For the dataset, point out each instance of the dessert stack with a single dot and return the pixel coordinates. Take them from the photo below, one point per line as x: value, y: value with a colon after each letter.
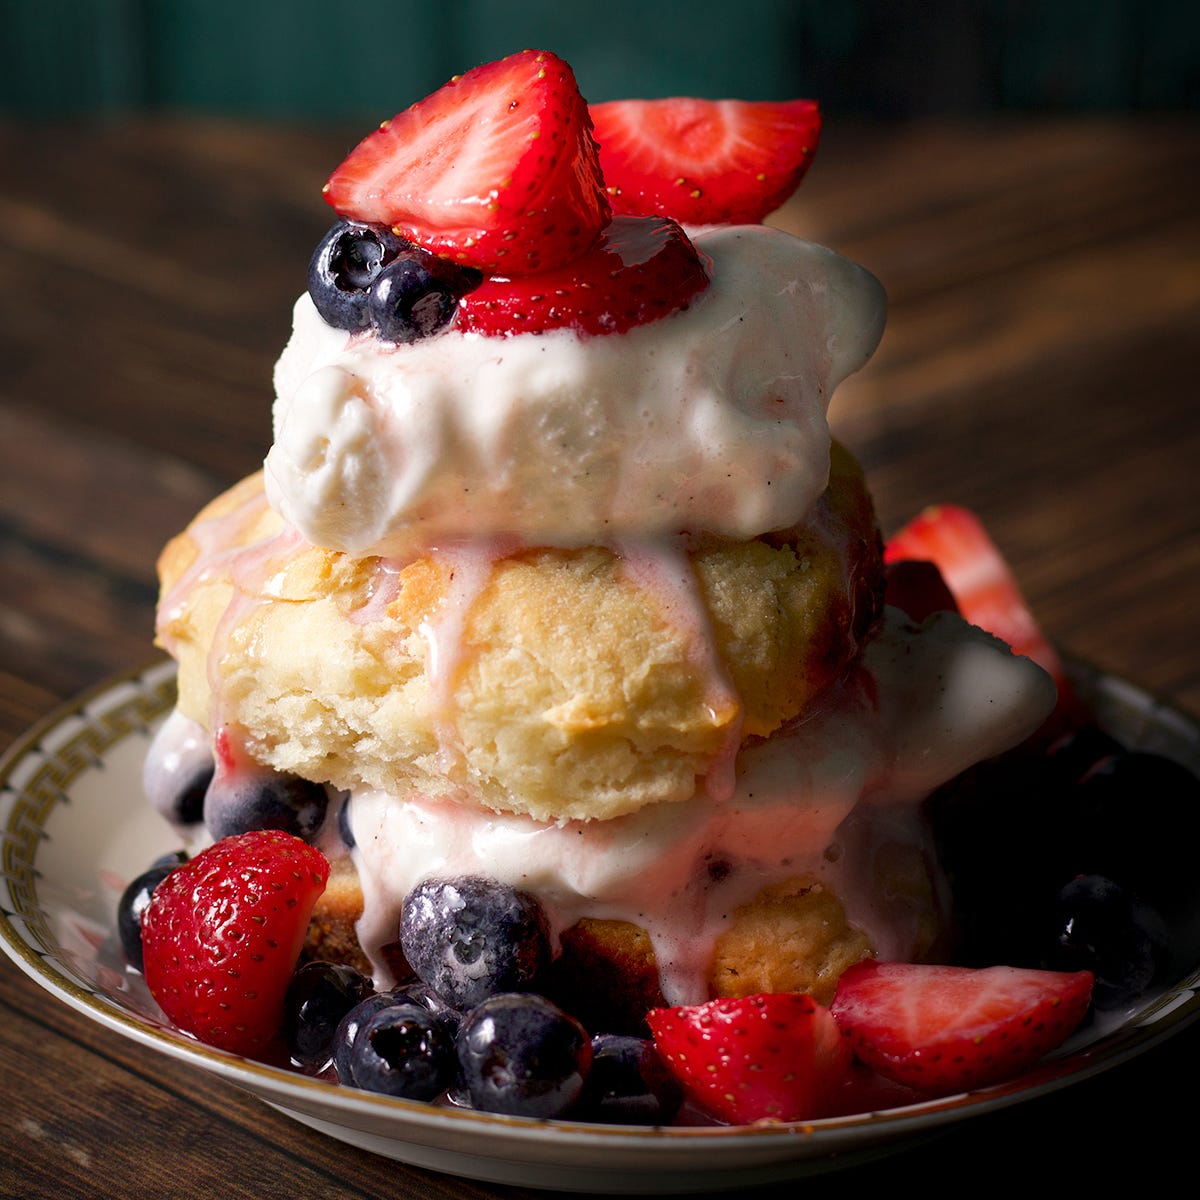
x: 556, y: 610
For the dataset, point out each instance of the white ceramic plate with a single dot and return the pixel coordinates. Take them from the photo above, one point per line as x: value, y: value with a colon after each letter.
x: 75, y: 829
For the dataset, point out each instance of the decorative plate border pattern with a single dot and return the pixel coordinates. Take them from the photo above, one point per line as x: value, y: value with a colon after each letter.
x: 49, y: 759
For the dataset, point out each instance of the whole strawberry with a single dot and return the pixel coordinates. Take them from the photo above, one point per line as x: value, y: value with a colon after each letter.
x: 222, y: 934
x: 773, y: 1056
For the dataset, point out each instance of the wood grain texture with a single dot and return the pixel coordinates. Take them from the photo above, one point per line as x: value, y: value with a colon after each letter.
x: 1040, y: 365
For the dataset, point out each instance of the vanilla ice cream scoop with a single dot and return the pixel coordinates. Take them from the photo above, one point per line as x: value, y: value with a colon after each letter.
x: 709, y: 420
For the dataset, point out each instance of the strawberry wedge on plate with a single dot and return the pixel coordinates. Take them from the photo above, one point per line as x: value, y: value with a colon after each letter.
x: 775, y: 1056
x: 943, y: 1029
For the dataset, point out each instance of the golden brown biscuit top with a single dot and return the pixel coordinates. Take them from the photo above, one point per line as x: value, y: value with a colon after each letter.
x: 558, y: 683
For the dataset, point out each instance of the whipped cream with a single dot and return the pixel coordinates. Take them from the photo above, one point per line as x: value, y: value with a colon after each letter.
x: 710, y: 419
x: 831, y: 798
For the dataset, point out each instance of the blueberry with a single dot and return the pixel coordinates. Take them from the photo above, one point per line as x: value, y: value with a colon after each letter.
x: 178, y: 770
x: 343, y: 267
x: 185, y: 803
x: 132, y: 905
x: 522, y: 1055
x: 348, y: 1030
x: 236, y: 803
x: 412, y: 299
x: 628, y: 1084
x: 405, y: 1049
x: 319, y: 996
x: 172, y: 859
x: 1138, y: 817
x: 468, y: 938
x: 1099, y: 926
x: 350, y: 1026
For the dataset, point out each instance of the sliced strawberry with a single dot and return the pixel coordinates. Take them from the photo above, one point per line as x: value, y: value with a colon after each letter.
x: 222, y: 933
x: 773, y: 1056
x: 642, y: 268
x: 981, y: 582
x: 949, y: 1029
x: 496, y: 170
x: 704, y: 162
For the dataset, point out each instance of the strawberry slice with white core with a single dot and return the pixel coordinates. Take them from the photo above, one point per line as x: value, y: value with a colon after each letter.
x: 704, y: 162
x: 979, y: 578
x: 497, y: 170
x: 642, y: 268
x: 944, y: 1029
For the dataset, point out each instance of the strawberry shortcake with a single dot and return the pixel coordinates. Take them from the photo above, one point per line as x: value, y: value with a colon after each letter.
x: 555, y: 580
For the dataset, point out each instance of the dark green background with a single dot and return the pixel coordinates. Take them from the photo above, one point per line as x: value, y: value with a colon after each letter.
x: 320, y: 60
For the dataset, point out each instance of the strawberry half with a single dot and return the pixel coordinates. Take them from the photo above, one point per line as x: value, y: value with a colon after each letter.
x: 704, y: 162
x: 642, y: 268
x: 945, y: 1029
x: 772, y: 1056
x: 980, y: 580
x: 222, y: 933
x: 496, y: 170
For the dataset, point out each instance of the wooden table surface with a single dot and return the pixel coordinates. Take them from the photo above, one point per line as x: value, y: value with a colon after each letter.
x: 1040, y: 366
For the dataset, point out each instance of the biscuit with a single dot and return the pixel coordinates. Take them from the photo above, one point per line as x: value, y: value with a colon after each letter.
x: 332, y: 935
x: 559, y: 683
x: 793, y: 937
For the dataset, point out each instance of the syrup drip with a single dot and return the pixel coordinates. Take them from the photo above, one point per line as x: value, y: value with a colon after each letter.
x: 663, y: 569
x: 212, y: 538
x: 467, y: 567
x: 382, y: 589
x: 255, y: 569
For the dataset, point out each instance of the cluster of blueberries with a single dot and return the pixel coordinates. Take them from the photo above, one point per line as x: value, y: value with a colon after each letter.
x: 470, y: 1029
x: 1080, y: 858
x: 366, y: 277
